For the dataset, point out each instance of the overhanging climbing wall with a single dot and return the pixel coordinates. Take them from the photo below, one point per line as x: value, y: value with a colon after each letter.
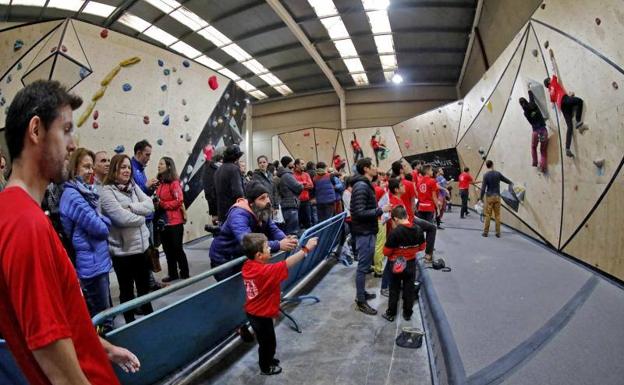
x: 364, y: 136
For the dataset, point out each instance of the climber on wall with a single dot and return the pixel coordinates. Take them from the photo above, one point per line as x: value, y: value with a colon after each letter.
x: 540, y: 133
x: 568, y: 104
x: 378, y: 147
x: 357, y: 149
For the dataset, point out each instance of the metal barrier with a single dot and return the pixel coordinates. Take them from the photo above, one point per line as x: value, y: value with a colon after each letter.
x: 179, y: 333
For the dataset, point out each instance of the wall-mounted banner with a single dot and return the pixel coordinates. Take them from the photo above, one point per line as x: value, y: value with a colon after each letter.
x: 446, y: 159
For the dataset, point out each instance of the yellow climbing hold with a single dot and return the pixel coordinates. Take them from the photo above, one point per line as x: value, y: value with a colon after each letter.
x: 489, y: 106
x: 130, y: 61
x: 110, y: 76
x: 99, y: 94
x: 86, y: 113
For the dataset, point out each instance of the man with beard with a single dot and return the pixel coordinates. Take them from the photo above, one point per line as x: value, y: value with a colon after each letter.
x: 251, y: 214
x: 44, y: 316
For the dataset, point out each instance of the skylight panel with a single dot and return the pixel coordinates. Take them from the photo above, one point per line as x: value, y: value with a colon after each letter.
x: 388, y: 75
x: 32, y: 3
x: 98, y: 9
x: 254, y: 66
x: 283, y: 89
x: 271, y: 79
x: 226, y: 72
x: 213, y: 35
x: 335, y: 27
x: 384, y: 44
x: 258, y: 94
x: 208, y: 62
x: 323, y: 8
x: 236, y: 52
x: 69, y: 5
x: 372, y: 5
x: 388, y: 62
x: 245, y: 85
x: 134, y: 22
x: 164, y: 5
x: 354, y: 65
x: 379, y: 22
x: 189, y: 18
x: 346, y: 48
x: 185, y: 49
x: 360, y: 79
x: 160, y: 35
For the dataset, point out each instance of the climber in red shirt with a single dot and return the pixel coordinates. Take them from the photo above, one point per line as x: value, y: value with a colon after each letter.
x: 357, y: 149
x: 378, y: 148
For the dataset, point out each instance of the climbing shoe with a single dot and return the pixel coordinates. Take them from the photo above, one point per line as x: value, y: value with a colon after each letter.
x: 365, y: 308
x: 569, y: 154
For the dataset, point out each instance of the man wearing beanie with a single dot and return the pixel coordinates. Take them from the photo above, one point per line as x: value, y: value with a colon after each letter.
x: 289, y: 189
x: 251, y: 214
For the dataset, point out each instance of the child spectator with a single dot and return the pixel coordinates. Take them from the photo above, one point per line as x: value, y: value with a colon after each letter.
x: 404, y: 241
x: 262, y: 285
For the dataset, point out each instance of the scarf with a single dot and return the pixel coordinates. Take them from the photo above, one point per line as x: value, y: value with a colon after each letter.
x: 85, y: 190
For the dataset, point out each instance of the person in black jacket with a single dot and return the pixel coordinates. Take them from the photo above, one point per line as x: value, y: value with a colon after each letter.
x: 263, y: 176
x: 540, y: 134
x: 364, y: 214
x: 210, y: 189
x: 289, y: 189
x: 228, y: 181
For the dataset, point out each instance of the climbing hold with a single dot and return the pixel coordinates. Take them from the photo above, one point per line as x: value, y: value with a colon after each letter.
x: 431, y: 123
x: 53, y: 49
x: 84, y: 72
x: 174, y: 69
x: 85, y: 114
x: 161, y: 112
x: 163, y: 87
x: 482, y: 99
x: 98, y: 94
x: 546, y: 44
x: 9, y: 79
x: 444, y: 126
x: 161, y: 63
x: 63, y: 48
x: 2, y: 101
x: 95, y: 125
x: 407, y: 143
x: 189, y: 169
x: 615, y: 85
x: 126, y: 87
x: 179, y: 81
x: 188, y: 137
x: 107, y: 79
x: 226, y: 96
x: 104, y: 33
x: 181, y: 136
x: 598, y: 21
x: 186, y: 118
x: 184, y: 102
x: 160, y: 142
x: 575, y: 187
x: 534, y: 52
x: 186, y: 63
x: 130, y: 61
x: 213, y: 83
x: 213, y: 123
x: 19, y: 66
x: 166, y: 71
x: 165, y: 121
x: 146, y: 119
x: 418, y: 130
x: 220, y: 120
x: 481, y: 150
x: 599, y: 162
x: 186, y: 188
x: 489, y: 106
x: 18, y: 44
x: 119, y: 149
x: 543, y: 5
x: 234, y: 111
x: 96, y: 114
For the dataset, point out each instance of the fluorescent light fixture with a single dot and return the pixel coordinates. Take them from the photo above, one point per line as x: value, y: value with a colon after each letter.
x: 360, y: 79
x: 208, y: 62
x: 69, y: 5
x: 379, y: 21
x: 258, y: 94
x: 397, y: 79
x: 375, y: 4
x: 236, y: 52
x: 283, y: 89
x: 98, y: 9
x: 32, y: 3
x: 346, y: 48
x: 214, y: 36
x: 189, y: 18
x: 159, y: 35
x: 226, y: 72
x: 335, y: 28
x: 388, y: 62
x: 164, y: 5
x: 254, y: 66
x: 185, y: 49
x: 388, y: 75
x: 134, y: 22
x: 323, y: 8
x: 271, y: 79
x: 354, y: 65
x: 245, y: 85
x: 384, y: 44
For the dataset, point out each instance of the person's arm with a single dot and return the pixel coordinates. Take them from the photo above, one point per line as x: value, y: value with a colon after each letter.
x: 240, y: 226
x: 531, y: 97
x: 299, y: 255
x: 292, y: 184
x: 484, y: 185
x: 145, y: 205
x: 307, y: 181
x: 504, y: 179
x: 119, y: 216
x: 358, y: 211
x: 76, y: 208
x: 275, y: 236
x: 59, y: 363
x: 176, y: 194
x: 126, y: 360
x: 236, y: 185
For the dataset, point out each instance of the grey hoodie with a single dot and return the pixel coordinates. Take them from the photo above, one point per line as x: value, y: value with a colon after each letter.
x: 289, y: 189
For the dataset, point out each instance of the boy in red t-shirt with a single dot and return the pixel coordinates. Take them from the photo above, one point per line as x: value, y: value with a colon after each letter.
x: 465, y: 179
x: 427, y: 195
x: 262, y: 286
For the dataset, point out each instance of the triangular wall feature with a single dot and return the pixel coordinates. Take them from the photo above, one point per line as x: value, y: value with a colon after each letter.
x: 301, y: 144
x: 283, y: 150
x: 325, y: 145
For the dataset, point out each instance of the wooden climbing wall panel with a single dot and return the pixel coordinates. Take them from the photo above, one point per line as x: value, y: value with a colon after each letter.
x: 364, y: 138
x: 325, y: 144
x: 301, y: 144
x: 283, y: 150
x: 275, y: 154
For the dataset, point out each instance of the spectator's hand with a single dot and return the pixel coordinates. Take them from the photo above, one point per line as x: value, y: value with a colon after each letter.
x: 311, y: 244
x: 288, y: 244
x: 152, y: 183
x: 126, y: 360
x: 386, y: 208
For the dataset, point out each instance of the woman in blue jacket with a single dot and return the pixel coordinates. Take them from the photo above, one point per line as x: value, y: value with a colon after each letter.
x: 88, y: 231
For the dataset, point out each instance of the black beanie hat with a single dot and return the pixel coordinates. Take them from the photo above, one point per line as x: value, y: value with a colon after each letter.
x: 286, y: 160
x: 254, y: 191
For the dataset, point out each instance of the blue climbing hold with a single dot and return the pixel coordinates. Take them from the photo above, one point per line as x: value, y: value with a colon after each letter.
x: 127, y: 87
x: 9, y: 79
x: 19, y: 66
x: 165, y: 121
x: 186, y: 63
x: 84, y: 72
x: 160, y: 142
x: 119, y: 149
x: 2, y: 101
x: 166, y: 71
x: 161, y: 112
x: 18, y: 45
x: 161, y: 63
x: 163, y: 87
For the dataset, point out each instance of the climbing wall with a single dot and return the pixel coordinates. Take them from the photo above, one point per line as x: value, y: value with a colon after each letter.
x: 364, y: 136
x: 325, y: 144
x: 132, y: 91
x: 275, y: 155
x: 283, y: 150
x: 431, y: 131
x: 301, y: 144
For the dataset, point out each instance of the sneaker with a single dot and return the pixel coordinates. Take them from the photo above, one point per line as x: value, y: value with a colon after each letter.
x: 388, y: 317
x: 484, y: 235
x: 365, y: 308
x: 169, y: 279
x: 407, y: 316
x: 370, y: 296
x: 276, y: 361
x: 385, y: 292
x: 569, y: 154
x: 377, y: 275
x: 497, y: 235
x: 440, y: 227
x: 273, y: 369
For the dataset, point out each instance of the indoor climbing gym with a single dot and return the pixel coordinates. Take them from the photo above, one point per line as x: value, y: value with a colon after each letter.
x: 311, y: 192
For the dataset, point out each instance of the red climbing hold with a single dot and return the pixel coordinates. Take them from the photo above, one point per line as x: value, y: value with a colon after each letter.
x: 96, y: 114
x: 146, y: 119
x: 63, y: 48
x: 96, y: 125
x: 212, y: 82
x: 104, y: 33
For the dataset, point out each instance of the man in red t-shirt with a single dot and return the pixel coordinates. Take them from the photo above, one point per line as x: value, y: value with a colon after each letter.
x: 263, y: 287
x: 305, y: 206
x: 427, y: 195
x: 409, y: 195
x: 44, y: 317
x: 465, y: 179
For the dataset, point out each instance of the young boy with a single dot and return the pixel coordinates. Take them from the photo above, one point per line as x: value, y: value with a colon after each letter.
x: 403, y: 242
x: 262, y: 285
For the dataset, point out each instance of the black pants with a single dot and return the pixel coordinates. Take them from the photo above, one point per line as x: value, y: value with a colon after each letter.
x: 171, y: 238
x: 265, y: 334
x: 305, y: 215
x: 325, y: 211
x: 464, y: 198
x: 570, y: 105
x: 424, y: 219
x: 402, y: 281
x: 132, y: 270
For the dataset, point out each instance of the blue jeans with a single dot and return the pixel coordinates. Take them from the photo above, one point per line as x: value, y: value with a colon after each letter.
x: 97, y: 296
x: 291, y: 220
x: 365, y: 245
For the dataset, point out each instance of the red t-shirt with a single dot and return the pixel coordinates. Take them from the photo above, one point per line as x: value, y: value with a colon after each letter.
x: 408, y: 198
x: 356, y: 145
x: 464, y: 181
x: 262, y: 285
x: 374, y: 143
x: 395, y: 201
x: 379, y: 192
x: 304, y: 178
x: 556, y: 90
x: 427, y: 187
x: 42, y: 302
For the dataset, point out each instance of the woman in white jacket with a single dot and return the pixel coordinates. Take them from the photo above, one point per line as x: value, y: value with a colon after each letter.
x: 126, y: 205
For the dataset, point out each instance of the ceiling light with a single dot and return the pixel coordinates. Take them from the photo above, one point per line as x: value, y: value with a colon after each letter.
x: 98, y: 9
x: 226, y: 72
x: 214, y: 36
x: 254, y: 66
x: 208, y: 62
x: 188, y: 18
x: 397, y: 79
x: 236, y: 52
x: 375, y: 4
x: 245, y: 85
x: 271, y: 79
x: 134, y: 22
x: 323, y: 8
x: 34, y: 3
x: 388, y: 75
x: 384, y: 44
x: 258, y: 94
x: 283, y: 89
x: 70, y: 5
x: 388, y: 62
x: 160, y: 36
x: 185, y: 49
x: 379, y: 22
x: 346, y: 48
x: 335, y: 28
x: 164, y: 5
x: 360, y: 79
x: 354, y: 65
